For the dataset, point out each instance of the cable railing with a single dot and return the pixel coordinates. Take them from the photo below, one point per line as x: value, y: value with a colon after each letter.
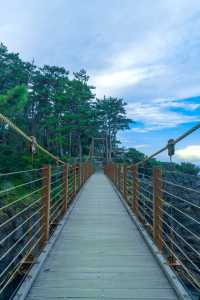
x: 170, y: 213
x: 32, y: 203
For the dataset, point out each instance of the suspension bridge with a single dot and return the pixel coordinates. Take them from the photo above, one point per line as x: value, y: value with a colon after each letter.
x: 123, y: 232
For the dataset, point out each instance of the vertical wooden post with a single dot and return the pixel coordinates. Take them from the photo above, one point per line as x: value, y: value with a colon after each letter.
x: 89, y: 167
x: 79, y: 176
x: 115, y: 174
x: 85, y: 175
x: 157, y: 204
x: 135, y: 189
x: 125, y: 182
x: 73, y: 181
x: 118, y: 177
x: 82, y: 174
x: 86, y: 171
x: 65, y: 193
x: 46, y: 172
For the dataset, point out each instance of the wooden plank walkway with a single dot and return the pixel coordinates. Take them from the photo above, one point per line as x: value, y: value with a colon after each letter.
x: 100, y: 254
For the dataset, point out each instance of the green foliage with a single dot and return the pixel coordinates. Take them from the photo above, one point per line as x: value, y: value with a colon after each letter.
x: 133, y: 156
x: 14, y: 100
x: 189, y: 168
x: 110, y: 115
x: 60, y: 111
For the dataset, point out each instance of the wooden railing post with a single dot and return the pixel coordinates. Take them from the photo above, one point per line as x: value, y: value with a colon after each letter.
x: 65, y: 184
x: 135, y: 189
x: 82, y: 168
x: 120, y: 179
x: 90, y: 169
x: 86, y: 171
x: 46, y: 172
x: 157, y: 205
x: 111, y: 172
x: 73, y: 181
x: 115, y: 174
x: 125, y: 181
x: 118, y: 176
x: 81, y: 173
x: 88, y: 165
x: 79, y: 176
x: 110, y: 168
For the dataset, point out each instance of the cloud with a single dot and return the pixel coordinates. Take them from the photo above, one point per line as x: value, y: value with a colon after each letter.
x: 110, y: 80
x: 118, y: 79
x: 157, y: 115
x: 141, y: 146
x: 191, y: 153
x: 149, y: 59
x: 178, y: 103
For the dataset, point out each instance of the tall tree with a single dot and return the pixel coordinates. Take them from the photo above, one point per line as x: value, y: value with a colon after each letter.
x: 111, y: 117
x: 59, y: 110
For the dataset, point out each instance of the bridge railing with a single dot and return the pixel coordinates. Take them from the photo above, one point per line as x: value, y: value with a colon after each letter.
x: 32, y: 204
x: 169, y: 211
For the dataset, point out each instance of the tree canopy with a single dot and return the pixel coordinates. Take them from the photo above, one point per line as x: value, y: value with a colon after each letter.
x: 61, y: 111
x: 56, y: 107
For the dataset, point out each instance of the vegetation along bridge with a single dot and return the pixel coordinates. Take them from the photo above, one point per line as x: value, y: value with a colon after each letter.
x: 123, y: 232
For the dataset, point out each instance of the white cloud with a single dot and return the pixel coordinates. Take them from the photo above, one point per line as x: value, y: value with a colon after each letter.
x: 109, y: 80
x: 150, y: 53
x: 191, y: 153
x: 178, y: 103
x: 155, y: 116
x: 141, y: 146
x: 188, y: 90
x: 117, y: 79
x: 153, y: 54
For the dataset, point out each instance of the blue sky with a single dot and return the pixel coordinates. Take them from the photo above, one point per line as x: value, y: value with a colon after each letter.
x: 146, y: 52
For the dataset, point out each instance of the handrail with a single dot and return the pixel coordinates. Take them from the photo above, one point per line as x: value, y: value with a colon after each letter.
x: 28, y: 138
x: 168, y: 218
x: 37, y: 210
x: 178, y: 139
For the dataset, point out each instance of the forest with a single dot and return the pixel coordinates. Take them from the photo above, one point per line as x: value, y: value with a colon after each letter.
x: 59, y: 109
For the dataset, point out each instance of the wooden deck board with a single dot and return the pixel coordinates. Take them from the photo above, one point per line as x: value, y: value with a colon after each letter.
x: 100, y: 254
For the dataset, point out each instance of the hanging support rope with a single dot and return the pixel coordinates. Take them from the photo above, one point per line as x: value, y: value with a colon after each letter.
x: 180, y: 138
x: 30, y: 139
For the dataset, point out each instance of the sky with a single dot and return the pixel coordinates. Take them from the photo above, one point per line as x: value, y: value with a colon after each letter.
x: 146, y: 52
